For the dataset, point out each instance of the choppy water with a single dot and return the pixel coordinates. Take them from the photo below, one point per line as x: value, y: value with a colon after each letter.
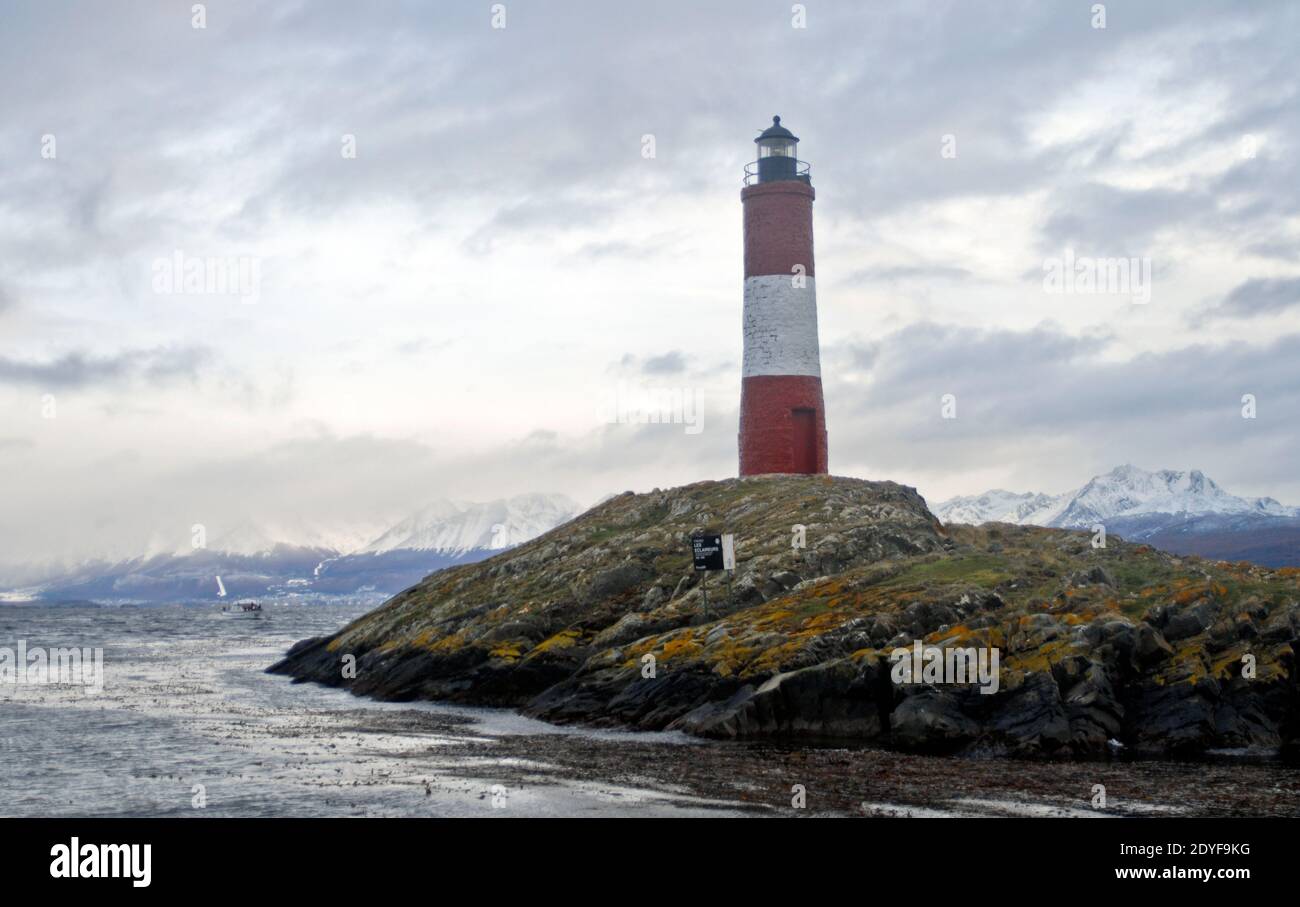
x: 186, y: 702
x: 187, y: 708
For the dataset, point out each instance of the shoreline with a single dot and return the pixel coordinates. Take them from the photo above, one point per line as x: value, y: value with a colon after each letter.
x: 1121, y: 756
x: 868, y: 780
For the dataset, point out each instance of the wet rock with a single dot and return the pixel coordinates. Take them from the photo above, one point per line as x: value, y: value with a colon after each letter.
x: 1176, y: 719
x: 1095, y: 714
x: 1242, y: 722
x: 931, y: 719
x: 835, y: 699
x: 574, y: 699
x: 653, y: 703
x: 1031, y: 719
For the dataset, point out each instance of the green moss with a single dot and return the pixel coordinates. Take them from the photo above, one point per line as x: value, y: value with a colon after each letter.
x: 976, y: 569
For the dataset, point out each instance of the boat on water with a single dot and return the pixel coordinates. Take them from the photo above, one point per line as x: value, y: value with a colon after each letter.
x: 245, y: 607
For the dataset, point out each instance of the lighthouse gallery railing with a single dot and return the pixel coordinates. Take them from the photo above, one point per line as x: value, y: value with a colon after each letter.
x: 770, y: 170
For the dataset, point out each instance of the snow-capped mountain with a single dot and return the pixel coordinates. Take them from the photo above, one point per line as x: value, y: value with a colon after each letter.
x: 260, y: 536
x: 295, y: 556
x: 1125, y: 491
x: 440, y: 535
x: 1186, y: 512
x: 996, y: 506
x: 452, y: 527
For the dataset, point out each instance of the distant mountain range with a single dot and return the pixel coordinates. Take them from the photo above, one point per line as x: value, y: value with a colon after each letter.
x: 1180, y: 512
x: 442, y: 534
x: 260, y: 560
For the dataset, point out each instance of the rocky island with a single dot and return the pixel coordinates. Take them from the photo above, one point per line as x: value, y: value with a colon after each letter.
x: 602, y: 621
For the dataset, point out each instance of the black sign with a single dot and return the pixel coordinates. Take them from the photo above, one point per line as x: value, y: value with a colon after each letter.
x: 707, y: 550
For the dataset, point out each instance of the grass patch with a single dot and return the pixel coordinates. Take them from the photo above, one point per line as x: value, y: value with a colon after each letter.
x: 985, y: 570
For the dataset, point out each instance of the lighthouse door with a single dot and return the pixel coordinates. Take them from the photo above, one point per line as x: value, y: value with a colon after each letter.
x: 804, y: 454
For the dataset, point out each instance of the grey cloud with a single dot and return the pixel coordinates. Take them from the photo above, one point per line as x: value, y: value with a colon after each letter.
x: 902, y: 273
x: 80, y: 369
x: 625, y: 455
x: 447, y: 110
x: 148, y: 496
x: 1259, y: 296
x: 1022, y: 395
x: 611, y: 250
x: 1104, y: 221
x: 536, y: 130
x: 855, y: 355
x: 540, y: 438
x: 670, y: 363
x: 990, y: 95
x: 545, y: 215
x: 1280, y: 250
x: 643, y: 248
x: 1023, y: 398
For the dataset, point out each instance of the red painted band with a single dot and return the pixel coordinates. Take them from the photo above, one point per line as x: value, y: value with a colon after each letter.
x: 782, y: 425
x: 778, y: 228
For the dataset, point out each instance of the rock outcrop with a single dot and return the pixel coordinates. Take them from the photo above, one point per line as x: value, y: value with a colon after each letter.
x: 603, y: 621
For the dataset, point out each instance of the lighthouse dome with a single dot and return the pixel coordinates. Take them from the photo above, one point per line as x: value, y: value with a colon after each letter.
x: 776, y: 131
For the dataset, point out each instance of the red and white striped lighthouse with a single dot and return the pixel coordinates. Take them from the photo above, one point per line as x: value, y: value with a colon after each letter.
x: 782, y: 416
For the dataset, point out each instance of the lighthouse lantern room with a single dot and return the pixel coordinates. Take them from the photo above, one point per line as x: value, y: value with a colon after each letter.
x: 777, y: 154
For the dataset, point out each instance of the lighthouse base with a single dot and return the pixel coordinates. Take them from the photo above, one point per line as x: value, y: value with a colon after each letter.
x: 782, y: 425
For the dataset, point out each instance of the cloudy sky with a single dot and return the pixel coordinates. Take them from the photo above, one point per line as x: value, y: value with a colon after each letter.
x: 454, y: 246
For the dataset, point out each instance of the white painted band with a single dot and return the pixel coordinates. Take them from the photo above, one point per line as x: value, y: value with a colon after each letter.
x: 781, y: 326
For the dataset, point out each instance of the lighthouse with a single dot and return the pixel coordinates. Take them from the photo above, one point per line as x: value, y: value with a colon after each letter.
x: 782, y: 416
